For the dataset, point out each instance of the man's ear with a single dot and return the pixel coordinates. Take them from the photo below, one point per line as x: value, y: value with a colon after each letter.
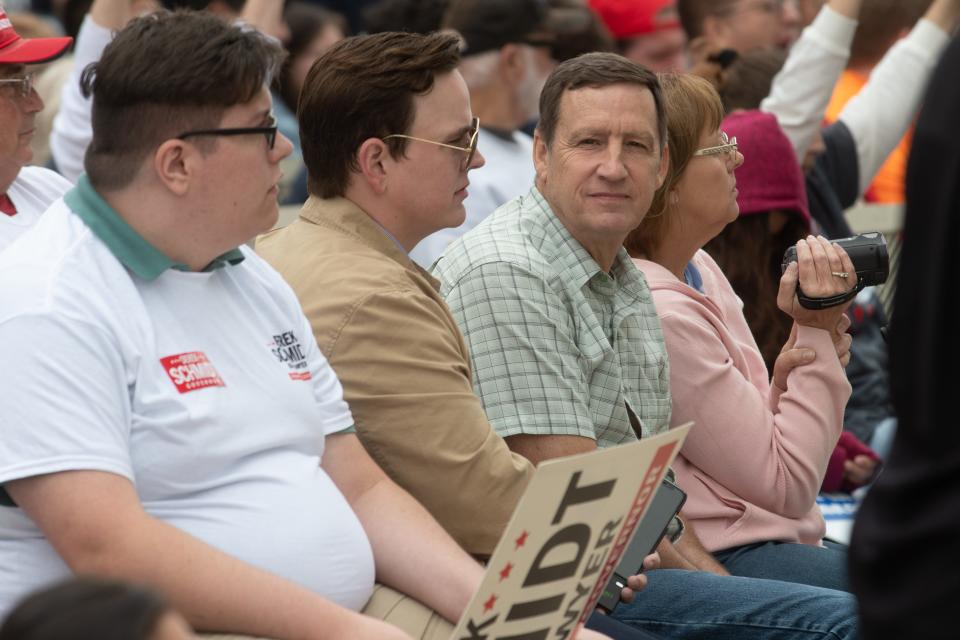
x: 175, y: 164
x: 512, y: 64
x: 540, y: 158
x: 373, y: 160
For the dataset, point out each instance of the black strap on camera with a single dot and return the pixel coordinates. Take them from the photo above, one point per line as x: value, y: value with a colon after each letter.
x: 831, y: 301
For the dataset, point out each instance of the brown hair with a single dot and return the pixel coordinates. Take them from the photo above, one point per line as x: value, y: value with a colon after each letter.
x: 750, y: 256
x: 164, y: 74
x: 598, y: 69
x: 306, y: 22
x: 880, y: 24
x: 693, y: 107
x: 694, y: 12
x: 360, y: 88
x: 747, y: 81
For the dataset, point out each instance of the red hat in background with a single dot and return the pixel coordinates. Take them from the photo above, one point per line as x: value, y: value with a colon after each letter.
x: 17, y: 50
x: 770, y: 176
x: 628, y: 18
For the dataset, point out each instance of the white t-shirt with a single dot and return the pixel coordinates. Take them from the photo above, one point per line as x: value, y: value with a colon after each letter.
x: 206, y: 390
x: 32, y: 192
x: 508, y: 173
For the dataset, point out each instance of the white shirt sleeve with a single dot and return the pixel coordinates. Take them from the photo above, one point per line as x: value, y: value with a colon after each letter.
x: 66, y: 398
x: 881, y: 113
x: 801, y: 90
x: 72, y: 130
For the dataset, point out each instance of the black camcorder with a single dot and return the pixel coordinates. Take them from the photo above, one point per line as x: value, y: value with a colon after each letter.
x: 868, y: 253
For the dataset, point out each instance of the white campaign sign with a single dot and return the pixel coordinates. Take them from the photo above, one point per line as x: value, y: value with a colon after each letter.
x: 565, y: 539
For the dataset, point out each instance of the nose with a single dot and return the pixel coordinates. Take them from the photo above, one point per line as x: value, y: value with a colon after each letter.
x: 737, y: 159
x: 32, y: 103
x: 477, y: 160
x: 612, y: 166
x: 282, y: 147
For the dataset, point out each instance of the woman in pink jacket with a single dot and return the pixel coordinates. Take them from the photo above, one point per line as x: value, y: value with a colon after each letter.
x: 754, y: 461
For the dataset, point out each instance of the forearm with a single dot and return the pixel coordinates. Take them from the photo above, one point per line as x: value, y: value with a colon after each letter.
x: 213, y: 590
x: 413, y: 554
x: 802, y: 89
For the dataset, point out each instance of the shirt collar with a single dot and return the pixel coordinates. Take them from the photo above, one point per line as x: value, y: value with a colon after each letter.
x: 128, y: 246
x: 345, y: 216
x: 560, y: 246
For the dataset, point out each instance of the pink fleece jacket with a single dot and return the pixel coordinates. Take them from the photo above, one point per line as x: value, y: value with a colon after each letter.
x: 753, y: 463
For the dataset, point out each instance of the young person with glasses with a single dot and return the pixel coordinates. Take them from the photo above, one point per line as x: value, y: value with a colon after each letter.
x: 175, y: 424
x: 754, y: 463
x: 25, y: 192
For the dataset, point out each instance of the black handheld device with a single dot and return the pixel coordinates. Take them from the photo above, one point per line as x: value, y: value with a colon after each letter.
x: 664, y: 505
x: 868, y: 253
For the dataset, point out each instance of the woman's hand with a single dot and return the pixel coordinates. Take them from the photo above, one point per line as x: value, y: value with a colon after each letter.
x: 816, y: 271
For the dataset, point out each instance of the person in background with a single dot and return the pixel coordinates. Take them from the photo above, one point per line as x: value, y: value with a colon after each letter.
x: 741, y: 25
x: 313, y: 30
x: 412, y: 16
x: 646, y: 31
x: 83, y: 608
x: 25, y: 191
x: 506, y: 60
x: 882, y: 23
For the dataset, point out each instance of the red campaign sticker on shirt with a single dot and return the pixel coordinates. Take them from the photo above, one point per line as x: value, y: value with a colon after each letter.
x: 191, y: 371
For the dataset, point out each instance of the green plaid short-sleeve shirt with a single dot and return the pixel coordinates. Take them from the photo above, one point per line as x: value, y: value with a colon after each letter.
x: 559, y: 347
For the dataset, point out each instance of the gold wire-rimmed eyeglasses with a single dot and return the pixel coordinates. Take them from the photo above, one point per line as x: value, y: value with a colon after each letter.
x: 728, y: 147
x: 25, y: 82
x: 469, y: 150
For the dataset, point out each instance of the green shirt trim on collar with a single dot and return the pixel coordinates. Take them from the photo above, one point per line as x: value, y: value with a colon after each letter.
x: 128, y: 246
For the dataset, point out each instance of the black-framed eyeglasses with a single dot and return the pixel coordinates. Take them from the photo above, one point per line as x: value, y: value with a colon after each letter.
x: 25, y: 83
x: 727, y: 147
x: 269, y: 132
x: 470, y: 150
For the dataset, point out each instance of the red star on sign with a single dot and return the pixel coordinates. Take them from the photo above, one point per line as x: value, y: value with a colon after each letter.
x: 488, y: 605
x: 522, y: 540
x: 506, y: 572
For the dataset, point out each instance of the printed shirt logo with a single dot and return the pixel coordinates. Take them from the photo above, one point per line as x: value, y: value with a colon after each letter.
x: 191, y: 371
x: 287, y: 350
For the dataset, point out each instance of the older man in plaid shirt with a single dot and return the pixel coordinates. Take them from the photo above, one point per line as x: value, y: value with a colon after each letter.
x: 565, y: 343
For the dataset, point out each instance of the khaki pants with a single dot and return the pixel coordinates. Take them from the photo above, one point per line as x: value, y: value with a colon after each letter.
x: 395, y: 608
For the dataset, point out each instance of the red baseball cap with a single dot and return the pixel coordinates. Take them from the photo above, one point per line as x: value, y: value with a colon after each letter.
x: 629, y: 18
x: 17, y: 50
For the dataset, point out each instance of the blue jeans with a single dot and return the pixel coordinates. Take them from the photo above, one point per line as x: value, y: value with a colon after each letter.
x: 816, y: 566
x: 617, y: 630
x: 690, y: 605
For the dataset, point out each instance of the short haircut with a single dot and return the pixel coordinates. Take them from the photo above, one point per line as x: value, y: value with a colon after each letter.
x: 693, y: 13
x: 693, y: 107
x: 595, y: 70
x: 363, y: 87
x: 879, y: 26
x: 164, y: 74
x: 86, y: 608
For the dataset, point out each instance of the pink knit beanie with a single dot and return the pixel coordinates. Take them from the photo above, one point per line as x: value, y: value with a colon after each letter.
x: 770, y: 177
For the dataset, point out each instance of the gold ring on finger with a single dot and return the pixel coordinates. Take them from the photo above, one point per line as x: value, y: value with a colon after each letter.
x: 841, y: 274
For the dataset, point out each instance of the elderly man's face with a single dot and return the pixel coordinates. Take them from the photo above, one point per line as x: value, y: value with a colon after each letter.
x: 17, y: 113
x: 605, y: 163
